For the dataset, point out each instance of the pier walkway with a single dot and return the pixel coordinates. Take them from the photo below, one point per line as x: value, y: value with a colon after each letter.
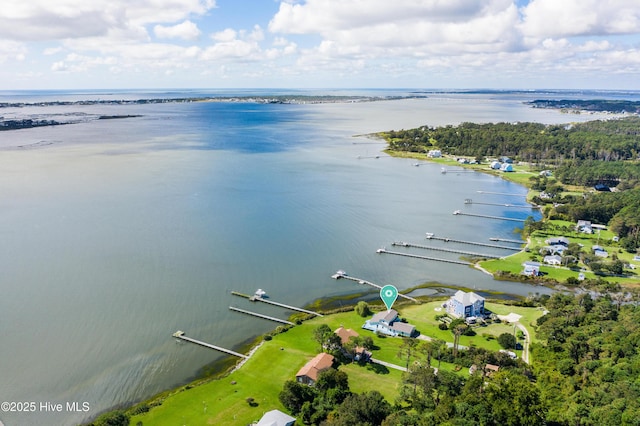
x: 271, y: 302
x: 430, y: 236
x: 180, y: 335
x: 255, y: 314
x: 506, y: 240
x: 341, y: 274
x: 458, y: 212
x: 515, y: 206
x: 397, y: 253
x: 469, y: 253
x: 501, y: 193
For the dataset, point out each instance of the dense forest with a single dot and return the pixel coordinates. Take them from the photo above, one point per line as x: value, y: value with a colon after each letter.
x: 585, y: 373
x: 612, y: 140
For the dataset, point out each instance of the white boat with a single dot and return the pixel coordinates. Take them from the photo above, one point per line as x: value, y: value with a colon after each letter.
x: 260, y: 293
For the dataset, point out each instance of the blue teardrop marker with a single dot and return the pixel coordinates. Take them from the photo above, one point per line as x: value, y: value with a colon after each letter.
x: 389, y: 294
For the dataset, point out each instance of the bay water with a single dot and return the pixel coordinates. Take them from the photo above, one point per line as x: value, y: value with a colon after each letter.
x: 116, y: 233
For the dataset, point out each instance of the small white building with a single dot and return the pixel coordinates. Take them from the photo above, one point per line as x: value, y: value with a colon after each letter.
x: 434, y: 153
x: 531, y: 269
x: 495, y: 165
x: 553, y: 260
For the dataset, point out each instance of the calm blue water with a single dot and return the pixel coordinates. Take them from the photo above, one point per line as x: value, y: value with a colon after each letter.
x: 116, y: 233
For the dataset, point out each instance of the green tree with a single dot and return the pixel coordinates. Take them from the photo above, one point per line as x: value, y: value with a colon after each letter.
x: 361, y: 409
x: 294, y: 395
x: 507, y: 340
x: 362, y: 309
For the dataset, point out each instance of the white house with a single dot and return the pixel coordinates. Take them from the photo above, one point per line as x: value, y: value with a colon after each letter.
x: 506, y: 167
x: 531, y: 269
x: 276, y: 418
x: 584, y: 226
x: 553, y: 260
x: 387, y: 322
x: 495, y: 165
x: 465, y: 305
x: 434, y: 153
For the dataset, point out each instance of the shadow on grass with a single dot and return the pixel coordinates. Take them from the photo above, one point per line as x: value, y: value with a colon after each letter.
x: 377, y: 368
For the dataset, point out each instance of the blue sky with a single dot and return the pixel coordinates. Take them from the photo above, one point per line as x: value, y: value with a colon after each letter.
x: 508, y: 44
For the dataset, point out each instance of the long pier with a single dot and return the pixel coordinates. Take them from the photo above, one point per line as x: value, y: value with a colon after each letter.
x: 506, y: 240
x: 341, y: 274
x: 501, y: 193
x: 398, y: 253
x: 515, y: 206
x: 255, y: 314
x: 180, y: 335
x: 458, y: 212
x: 469, y: 253
x: 271, y: 302
x: 430, y: 236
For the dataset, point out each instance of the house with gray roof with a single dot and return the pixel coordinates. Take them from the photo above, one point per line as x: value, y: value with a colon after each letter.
x: 276, y: 418
x: 388, y: 322
x: 465, y: 305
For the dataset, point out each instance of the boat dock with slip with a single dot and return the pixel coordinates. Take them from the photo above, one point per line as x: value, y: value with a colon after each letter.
x: 257, y: 298
x: 398, y: 253
x: 458, y: 212
x: 180, y: 335
x: 342, y: 274
x: 255, y: 314
x: 431, y: 236
x: 468, y: 253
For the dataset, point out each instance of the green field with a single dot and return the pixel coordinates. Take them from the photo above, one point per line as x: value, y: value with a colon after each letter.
x: 224, y: 400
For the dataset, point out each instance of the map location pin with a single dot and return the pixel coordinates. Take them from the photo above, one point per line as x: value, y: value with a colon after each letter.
x: 388, y: 294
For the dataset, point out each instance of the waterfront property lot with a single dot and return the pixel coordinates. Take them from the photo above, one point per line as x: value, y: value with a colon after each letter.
x: 225, y: 400
x: 560, y: 273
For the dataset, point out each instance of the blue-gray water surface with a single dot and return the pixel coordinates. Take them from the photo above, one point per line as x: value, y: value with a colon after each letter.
x: 116, y: 233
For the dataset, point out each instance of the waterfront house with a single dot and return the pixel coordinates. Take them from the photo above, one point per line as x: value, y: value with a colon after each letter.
x: 388, y: 322
x: 308, y: 374
x: 506, y: 167
x: 531, y: 269
x: 495, y: 165
x: 434, y: 153
x: 276, y: 418
x: 465, y: 305
x: 584, y: 226
x: 564, y: 241
x: 553, y: 260
x: 505, y: 159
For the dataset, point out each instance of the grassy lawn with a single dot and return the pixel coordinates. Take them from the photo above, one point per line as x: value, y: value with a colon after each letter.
x: 224, y: 401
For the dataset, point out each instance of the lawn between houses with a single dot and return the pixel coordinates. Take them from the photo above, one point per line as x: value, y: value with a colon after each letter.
x: 224, y: 400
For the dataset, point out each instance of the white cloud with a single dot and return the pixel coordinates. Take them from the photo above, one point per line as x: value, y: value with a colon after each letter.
x: 186, y: 30
x: 553, y: 18
x: 62, y: 19
x: 12, y: 51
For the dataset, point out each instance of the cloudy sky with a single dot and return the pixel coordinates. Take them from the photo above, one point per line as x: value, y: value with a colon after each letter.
x: 521, y: 44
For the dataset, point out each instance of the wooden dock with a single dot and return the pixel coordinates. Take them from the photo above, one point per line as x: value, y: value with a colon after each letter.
x: 271, y: 302
x: 468, y: 253
x: 515, y: 206
x: 430, y: 236
x: 341, y: 274
x: 437, y: 259
x: 180, y: 335
x: 501, y: 193
x: 506, y: 240
x: 255, y: 314
x: 459, y: 213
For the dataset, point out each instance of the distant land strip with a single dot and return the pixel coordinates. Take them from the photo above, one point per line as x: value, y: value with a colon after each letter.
x: 593, y: 105
x: 279, y: 99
